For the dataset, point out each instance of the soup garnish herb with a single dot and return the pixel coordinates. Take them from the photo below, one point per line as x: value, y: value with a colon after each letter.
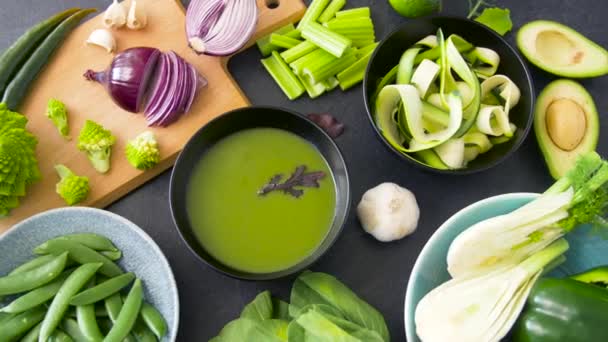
x: 298, y: 178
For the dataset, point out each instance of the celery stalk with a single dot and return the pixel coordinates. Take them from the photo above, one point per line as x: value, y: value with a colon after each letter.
x: 283, y: 41
x: 298, y: 51
x: 298, y: 65
x: 314, y: 90
x: 326, y: 39
x: 295, y: 34
x: 264, y: 43
x: 350, y: 23
x: 365, y: 49
x: 313, y: 12
x: 316, y: 62
x: 321, y: 71
x: 331, y: 83
x: 354, y: 13
x: 331, y: 10
x: 354, y: 73
x: 280, y: 72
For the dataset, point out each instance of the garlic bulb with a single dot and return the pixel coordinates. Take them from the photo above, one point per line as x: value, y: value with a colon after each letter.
x: 137, y: 18
x: 388, y: 212
x: 115, y: 16
x: 102, y: 38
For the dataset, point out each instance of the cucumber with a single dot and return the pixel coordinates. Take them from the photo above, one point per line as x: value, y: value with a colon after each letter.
x: 17, y: 88
x: 17, y: 54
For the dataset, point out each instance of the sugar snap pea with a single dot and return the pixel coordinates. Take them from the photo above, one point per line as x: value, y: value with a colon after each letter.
x: 153, y: 319
x: 100, y: 311
x: 60, y: 336
x: 60, y: 303
x: 33, y: 278
x: 19, y: 324
x: 93, y: 241
x: 32, y: 335
x: 102, y: 290
x: 112, y: 255
x: 142, y: 333
x: 128, y: 314
x: 4, y: 316
x: 85, y: 315
x: 113, y: 304
x: 36, y: 262
x: 37, y: 296
x: 80, y: 253
x: 70, y: 326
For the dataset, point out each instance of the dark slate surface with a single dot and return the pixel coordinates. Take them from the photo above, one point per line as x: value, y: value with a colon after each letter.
x: 377, y: 271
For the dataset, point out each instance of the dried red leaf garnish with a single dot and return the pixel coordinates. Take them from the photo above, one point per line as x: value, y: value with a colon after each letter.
x: 329, y: 123
x: 299, y: 178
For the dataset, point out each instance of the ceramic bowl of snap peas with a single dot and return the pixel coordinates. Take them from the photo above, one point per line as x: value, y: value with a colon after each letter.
x: 131, y: 262
x: 388, y: 55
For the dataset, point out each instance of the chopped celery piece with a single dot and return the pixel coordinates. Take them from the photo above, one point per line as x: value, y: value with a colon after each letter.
x: 280, y: 72
x: 354, y: 13
x: 283, y: 41
x: 354, y: 73
x: 313, y: 12
x: 362, y: 43
x: 295, y: 34
x: 298, y: 65
x: 331, y: 83
x: 326, y: 39
x: 298, y: 51
x: 354, y: 24
x: 264, y: 43
x: 321, y: 70
x: 314, y: 90
x: 330, y: 11
x: 365, y: 49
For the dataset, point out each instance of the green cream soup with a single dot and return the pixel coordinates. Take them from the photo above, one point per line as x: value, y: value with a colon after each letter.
x: 248, y: 231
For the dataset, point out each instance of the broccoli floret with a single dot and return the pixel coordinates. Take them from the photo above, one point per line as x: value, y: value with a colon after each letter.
x: 97, y: 142
x: 142, y: 152
x: 72, y: 188
x: 56, y: 111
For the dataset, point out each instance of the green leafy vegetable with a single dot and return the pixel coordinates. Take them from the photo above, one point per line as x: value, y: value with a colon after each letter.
x: 18, y: 164
x: 96, y: 142
x: 58, y: 114
x: 497, y: 19
x: 72, y: 188
x: 142, y: 152
x: 299, y: 178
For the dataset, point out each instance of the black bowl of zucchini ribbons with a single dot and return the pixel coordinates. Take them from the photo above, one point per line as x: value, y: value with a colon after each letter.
x: 260, y: 193
x: 412, y: 101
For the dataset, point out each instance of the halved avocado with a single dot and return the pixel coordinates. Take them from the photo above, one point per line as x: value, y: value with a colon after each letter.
x: 561, y: 50
x: 566, y: 124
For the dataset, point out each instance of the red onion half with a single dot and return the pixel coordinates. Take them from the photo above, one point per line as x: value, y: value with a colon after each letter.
x: 220, y: 27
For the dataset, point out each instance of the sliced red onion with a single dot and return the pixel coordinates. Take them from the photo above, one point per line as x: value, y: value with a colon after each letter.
x: 220, y: 27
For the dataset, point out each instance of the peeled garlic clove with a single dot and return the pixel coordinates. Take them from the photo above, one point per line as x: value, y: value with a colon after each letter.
x: 115, y: 16
x: 137, y: 18
x: 102, y: 38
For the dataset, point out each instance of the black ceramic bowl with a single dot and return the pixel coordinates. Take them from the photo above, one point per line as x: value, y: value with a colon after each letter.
x: 241, y: 119
x: 389, y: 52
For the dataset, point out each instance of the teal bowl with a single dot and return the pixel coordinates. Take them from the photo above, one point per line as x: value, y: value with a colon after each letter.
x: 430, y: 270
x: 141, y: 255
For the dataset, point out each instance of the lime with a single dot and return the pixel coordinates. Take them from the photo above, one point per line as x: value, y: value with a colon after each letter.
x: 415, y: 8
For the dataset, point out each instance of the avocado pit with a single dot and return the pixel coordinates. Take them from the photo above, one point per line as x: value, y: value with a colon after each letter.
x: 566, y: 123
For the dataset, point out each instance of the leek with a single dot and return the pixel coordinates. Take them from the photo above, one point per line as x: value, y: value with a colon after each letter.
x: 280, y: 72
x: 283, y: 41
x: 264, y: 44
x: 354, y: 73
x: 330, y: 11
x: 483, y: 307
x: 298, y: 51
x: 313, y: 12
x: 354, y: 13
x: 326, y: 39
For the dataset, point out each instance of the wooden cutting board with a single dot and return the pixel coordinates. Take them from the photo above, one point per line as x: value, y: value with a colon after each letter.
x: 62, y: 79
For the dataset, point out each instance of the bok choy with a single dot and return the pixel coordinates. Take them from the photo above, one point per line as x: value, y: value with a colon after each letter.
x: 444, y: 100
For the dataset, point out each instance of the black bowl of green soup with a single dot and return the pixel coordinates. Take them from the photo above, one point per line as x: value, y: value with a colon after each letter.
x: 260, y: 193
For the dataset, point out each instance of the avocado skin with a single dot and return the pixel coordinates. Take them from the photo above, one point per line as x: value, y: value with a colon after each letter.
x: 559, y: 161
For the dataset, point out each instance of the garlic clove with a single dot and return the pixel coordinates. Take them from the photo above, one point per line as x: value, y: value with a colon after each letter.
x: 102, y: 38
x: 137, y: 18
x: 115, y: 15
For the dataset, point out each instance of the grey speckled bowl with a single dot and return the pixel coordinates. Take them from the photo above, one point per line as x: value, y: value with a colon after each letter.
x: 141, y: 255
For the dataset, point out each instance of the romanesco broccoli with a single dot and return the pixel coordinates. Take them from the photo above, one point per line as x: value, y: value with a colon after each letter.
x: 58, y: 114
x: 142, y: 152
x: 97, y: 142
x: 18, y: 164
x: 72, y: 188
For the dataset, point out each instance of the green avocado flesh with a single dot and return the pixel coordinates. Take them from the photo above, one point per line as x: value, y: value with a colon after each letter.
x: 566, y: 124
x: 251, y: 232
x: 560, y: 50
